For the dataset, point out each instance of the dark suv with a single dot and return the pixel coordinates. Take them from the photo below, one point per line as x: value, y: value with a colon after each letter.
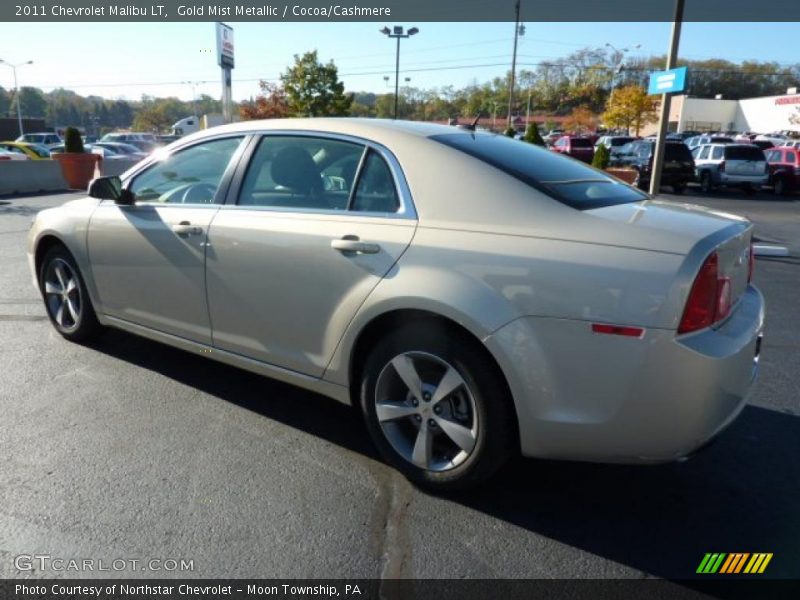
x: 678, y: 169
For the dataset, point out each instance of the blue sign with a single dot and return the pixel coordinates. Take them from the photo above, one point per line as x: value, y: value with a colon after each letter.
x: 667, y: 82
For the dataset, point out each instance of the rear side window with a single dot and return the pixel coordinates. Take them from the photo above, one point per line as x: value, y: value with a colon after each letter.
x: 744, y: 153
x: 565, y: 180
x: 375, y: 191
x: 581, y: 143
x: 718, y: 152
x: 791, y: 156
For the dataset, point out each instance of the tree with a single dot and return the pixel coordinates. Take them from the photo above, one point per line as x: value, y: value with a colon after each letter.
x: 601, y: 157
x: 630, y: 107
x: 32, y: 102
x: 313, y: 89
x: 532, y: 135
x: 270, y: 104
x: 510, y: 132
x: 581, y: 119
x: 5, y: 101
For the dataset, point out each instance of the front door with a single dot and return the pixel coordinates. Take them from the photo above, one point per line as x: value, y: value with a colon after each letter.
x: 148, y: 259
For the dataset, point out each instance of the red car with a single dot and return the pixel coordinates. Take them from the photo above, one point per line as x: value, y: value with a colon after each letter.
x: 784, y: 169
x: 575, y: 146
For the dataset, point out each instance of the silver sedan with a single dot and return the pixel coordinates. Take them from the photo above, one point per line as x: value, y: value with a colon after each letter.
x: 472, y: 295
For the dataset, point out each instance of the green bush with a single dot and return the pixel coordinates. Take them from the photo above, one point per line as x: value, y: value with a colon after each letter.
x: 73, y: 141
x: 532, y: 135
x: 601, y: 157
x: 510, y: 131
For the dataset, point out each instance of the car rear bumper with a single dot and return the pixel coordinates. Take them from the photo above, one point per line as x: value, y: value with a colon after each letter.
x: 728, y: 179
x: 608, y: 398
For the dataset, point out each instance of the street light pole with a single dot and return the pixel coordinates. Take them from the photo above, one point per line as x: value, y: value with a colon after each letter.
x: 513, y: 64
x: 398, y: 32
x: 619, y: 63
x: 16, y: 90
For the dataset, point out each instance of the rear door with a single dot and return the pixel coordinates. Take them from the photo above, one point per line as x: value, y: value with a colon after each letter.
x: 316, y: 223
x: 745, y: 160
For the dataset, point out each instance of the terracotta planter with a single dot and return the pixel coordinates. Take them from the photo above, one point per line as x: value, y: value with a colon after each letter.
x: 78, y: 168
x: 626, y: 175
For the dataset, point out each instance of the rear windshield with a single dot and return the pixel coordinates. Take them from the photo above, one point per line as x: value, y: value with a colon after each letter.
x: 744, y: 153
x: 677, y: 152
x: 580, y: 143
x: 621, y: 141
x: 566, y: 180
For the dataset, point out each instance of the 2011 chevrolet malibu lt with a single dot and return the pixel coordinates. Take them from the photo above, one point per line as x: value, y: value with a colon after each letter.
x: 472, y: 295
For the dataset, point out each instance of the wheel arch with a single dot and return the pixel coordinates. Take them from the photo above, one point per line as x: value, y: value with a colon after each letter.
x: 380, y: 325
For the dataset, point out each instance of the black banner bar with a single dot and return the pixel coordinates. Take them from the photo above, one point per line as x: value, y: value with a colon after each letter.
x: 733, y: 587
x: 393, y: 10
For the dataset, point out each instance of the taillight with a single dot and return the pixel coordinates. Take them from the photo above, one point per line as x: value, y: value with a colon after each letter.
x: 722, y: 167
x: 710, y: 298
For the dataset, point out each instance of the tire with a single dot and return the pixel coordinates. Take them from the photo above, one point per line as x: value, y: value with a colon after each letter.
x: 706, y: 185
x: 71, y: 311
x: 455, y: 442
x: 637, y: 181
x: 678, y: 189
x: 780, y: 187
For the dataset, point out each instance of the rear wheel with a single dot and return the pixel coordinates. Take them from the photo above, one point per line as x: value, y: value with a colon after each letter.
x: 780, y: 187
x: 435, y: 408
x: 706, y: 185
x: 65, y: 297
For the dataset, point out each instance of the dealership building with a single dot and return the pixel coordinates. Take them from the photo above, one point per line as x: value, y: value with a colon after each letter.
x: 762, y: 115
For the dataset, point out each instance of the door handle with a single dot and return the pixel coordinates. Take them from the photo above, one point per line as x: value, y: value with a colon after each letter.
x: 352, y: 244
x: 186, y: 228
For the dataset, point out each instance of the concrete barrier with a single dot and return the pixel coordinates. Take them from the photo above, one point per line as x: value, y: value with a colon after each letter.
x: 30, y: 176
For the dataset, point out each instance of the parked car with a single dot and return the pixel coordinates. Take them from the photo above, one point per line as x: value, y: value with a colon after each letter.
x: 678, y: 168
x: 145, y: 142
x: 574, y: 146
x: 122, y: 149
x: 613, y: 141
x: 620, y: 156
x: 552, y: 136
x: 763, y: 144
x: 699, y: 140
x: 733, y: 165
x: 777, y: 139
x: 14, y: 155
x: 46, y: 139
x: 31, y: 151
x: 569, y: 317
x: 784, y: 169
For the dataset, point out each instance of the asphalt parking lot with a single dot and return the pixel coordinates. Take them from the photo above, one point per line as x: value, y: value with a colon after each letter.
x: 130, y: 449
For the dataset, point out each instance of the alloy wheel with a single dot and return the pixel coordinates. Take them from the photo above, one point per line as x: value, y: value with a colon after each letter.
x: 426, y: 411
x: 63, y: 294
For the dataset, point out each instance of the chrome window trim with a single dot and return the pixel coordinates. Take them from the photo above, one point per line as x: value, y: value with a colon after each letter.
x: 406, y: 211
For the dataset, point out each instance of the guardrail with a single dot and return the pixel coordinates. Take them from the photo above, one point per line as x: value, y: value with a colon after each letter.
x: 30, y: 176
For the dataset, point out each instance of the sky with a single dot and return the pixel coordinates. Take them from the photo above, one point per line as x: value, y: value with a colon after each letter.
x: 126, y: 60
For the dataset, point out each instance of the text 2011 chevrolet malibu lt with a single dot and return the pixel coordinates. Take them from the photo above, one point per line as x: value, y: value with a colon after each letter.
x: 472, y: 295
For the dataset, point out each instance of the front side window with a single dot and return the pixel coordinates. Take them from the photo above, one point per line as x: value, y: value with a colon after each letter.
x: 190, y: 176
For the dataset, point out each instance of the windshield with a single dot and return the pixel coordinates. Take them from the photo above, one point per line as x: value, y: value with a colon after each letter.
x: 566, y: 180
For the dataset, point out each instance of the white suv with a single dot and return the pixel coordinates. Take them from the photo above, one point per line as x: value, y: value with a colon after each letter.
x: 741, y: 165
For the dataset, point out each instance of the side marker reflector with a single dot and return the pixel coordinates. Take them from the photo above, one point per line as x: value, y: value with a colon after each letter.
x: 636, y: 332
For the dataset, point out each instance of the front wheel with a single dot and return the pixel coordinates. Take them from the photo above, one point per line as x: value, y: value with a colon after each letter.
x: 435, y: 408
x: 65, y: 297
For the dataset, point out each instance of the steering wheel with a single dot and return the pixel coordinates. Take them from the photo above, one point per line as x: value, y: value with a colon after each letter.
x: 199, y: 193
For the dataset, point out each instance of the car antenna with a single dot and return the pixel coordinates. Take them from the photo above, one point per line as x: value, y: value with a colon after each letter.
x: 470, y: 126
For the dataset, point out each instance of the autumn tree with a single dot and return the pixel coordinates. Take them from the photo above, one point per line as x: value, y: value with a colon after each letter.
x: 581, y: 119
x: 313, y: 89
x: 270, y: 104
x: 630, y: 107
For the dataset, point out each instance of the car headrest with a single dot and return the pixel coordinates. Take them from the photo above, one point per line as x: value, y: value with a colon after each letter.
x: 294, y: 168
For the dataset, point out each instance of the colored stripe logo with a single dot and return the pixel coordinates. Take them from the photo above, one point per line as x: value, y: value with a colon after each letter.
x: 736, y: 562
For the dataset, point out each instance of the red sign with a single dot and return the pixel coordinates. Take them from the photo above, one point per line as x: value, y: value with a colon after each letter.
x: 787, y: 100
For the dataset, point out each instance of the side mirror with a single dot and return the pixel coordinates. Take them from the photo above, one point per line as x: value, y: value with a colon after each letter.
x: 110, y: 188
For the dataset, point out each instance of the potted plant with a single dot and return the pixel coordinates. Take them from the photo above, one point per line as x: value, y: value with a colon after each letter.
x: 77, y: 165
x: 602, y: 156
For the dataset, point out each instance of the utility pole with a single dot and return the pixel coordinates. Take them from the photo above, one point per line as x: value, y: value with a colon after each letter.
x: 663, y: 123
x: 16, y: 90
x: 513, y: 64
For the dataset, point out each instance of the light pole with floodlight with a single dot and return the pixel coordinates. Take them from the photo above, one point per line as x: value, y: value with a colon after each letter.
x: 16, y: 90
x: 398, y: 32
